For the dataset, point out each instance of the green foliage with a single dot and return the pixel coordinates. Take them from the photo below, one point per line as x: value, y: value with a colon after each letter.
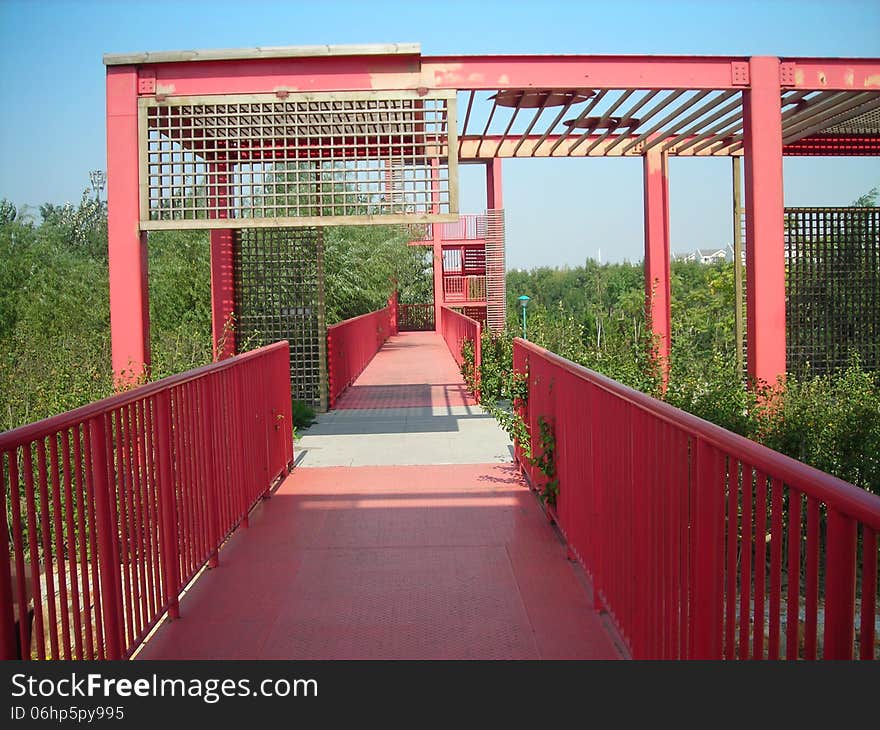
x: 55, y: 312
x: 303, y: 414
x: 364, y: 264
x: 468, y: 367
x: 55, y: 342
x: 54, y: 304
x: 710, y: 387
x: 868, y: 200
x: 504, y: 393
x: 703, y: 309
x: 510, y: 419
x: 180, y: 301
x: 8, y: 212
x: 831, y: 422
x: 54, y: 322
x: 546, y: 462
x: 593, y: 315
x: 82, y: 228
x: 496, y: 354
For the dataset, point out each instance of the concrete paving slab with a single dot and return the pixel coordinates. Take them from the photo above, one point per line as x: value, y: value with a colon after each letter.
x: 431, y: 430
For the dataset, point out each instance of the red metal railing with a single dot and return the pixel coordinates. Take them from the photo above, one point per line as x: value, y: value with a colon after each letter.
x: 701, y: 543
x: 352, y: 343
x: 415, y: 317
x: 458, y: 329
x: 112, y: 508
x: 464, y: 288
x: 470, y: 227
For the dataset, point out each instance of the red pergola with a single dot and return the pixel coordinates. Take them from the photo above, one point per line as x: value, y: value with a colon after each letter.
x: 209, y: 120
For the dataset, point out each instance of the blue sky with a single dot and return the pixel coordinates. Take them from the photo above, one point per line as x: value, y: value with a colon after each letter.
x: 559, y: 212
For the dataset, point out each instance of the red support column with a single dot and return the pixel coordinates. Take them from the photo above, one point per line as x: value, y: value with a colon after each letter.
x: 765, y: 257
x: 493, y: 184
x: 222, y: 268
x: 127, y: 246
x: 657, y: 289
x: 222, y: 293
x: 394, y: 305
x: 438, y: 245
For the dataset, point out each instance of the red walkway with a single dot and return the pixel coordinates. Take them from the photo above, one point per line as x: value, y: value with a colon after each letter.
x: 393, y: 562
x: 451, y: 562
x: 412, y: 369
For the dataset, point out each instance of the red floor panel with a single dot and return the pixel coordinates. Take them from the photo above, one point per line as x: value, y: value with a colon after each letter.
x: 437, y: 562
x: 413, y: 369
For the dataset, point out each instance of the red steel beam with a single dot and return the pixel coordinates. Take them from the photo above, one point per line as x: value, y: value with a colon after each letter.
x: 841, y: 74
x: 577, y: 72
x: 362, y: 73
x: 834, y: 144
x: 542, y: 146
x: 252, y: 76
x: 410, y: 71
x: 127, y: 247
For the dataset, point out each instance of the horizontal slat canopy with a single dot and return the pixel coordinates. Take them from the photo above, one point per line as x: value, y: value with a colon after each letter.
x: 627, y: 122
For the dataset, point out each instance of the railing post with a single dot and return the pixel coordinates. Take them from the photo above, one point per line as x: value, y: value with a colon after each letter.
x: 478, y: 359
x: 707, y: 533
x: 285, y: 395
x: 208, y: 411
x: 268, y: 428
x: 243, y: 470
x: 170, y: 557
x: 599, y: 521
x: 107, y: 541
x: 840, y: 585
x: 331, y: 369
x: 7, y: 617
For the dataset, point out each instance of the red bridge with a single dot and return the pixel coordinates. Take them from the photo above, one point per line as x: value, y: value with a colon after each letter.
x: 405, y: 531
x: 180, y: 519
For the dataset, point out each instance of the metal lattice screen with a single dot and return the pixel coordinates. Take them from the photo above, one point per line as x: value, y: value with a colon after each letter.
x: 496, y: 287
x: 307, y: 159
x: 279, y: 295
x: 832, y: 287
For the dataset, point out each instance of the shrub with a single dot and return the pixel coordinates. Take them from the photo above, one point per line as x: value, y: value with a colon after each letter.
x: 831, y: 422
x: 468, y: 367
x: 303, y: 414
x: 495, y: 367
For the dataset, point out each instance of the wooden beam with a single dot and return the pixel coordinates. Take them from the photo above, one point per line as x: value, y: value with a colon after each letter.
x: 261, y: 52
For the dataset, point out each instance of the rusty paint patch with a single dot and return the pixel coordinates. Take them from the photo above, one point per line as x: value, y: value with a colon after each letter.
x: 822, y: 80
x: 872, y: 81
x: 165, y: 89
x: 405, y: 75
x: 654, y: 163
x: 445, y: 73
x: 395, y: 80
x: 849, y: 78
x: 279, y: 90
x: 798, y: 77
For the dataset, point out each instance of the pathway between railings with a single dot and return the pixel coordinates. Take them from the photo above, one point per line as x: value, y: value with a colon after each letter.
x: 404, y: 532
